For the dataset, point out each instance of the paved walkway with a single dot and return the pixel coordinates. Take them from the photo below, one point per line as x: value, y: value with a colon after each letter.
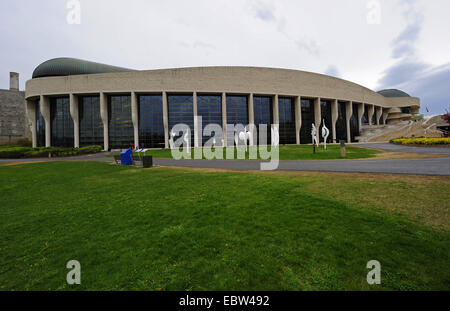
x: 430, y: 166
x: 400, y: 148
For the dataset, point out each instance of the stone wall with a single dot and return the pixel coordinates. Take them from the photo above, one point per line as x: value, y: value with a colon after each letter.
x: 13, y: 124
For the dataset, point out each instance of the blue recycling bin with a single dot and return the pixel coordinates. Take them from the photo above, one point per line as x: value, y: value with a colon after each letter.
x: 125, y: 157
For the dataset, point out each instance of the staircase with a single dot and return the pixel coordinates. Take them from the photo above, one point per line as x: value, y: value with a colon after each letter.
x: 384, y: 133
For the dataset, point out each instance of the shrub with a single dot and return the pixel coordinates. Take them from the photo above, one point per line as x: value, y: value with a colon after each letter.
x: 421, y: 141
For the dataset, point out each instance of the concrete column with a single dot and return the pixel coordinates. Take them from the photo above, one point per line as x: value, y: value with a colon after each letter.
x: 378, y: 114
x: 360, y: 115
x: 371, y: 112
x: 45, y: 111
x: 317, y: 114
x: 31, y: 115
x: 196, y: 127
x: 105, y: 119
x: 165, y: 119
x: 251, y: 117
x: 74, y: 113
x: 385, y: 115
x: 135, y: 117
x: 298, y: 119
x: 334, y: 117
x: 276, y: 111
x: 349, y: 110
x: 251, y: 111
x: 224, y: 118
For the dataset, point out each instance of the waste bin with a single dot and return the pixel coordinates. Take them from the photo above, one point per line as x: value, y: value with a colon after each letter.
x: 147, y: 161
x: 125, y: 157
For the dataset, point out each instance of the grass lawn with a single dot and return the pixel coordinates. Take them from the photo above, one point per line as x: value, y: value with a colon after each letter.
x: 186, y: 229
x: 293, y: 152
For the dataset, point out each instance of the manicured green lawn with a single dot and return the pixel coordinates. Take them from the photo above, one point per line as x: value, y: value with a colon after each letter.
x: 180, y: 229
x: 303, y: 152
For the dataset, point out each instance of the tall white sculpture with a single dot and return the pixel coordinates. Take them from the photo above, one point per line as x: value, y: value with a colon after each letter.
x: 187, y: 141
x: 275, y: 136
x: 325, y: 134
x: 171, y: 142
x: 314, y: 135
x: 243, y: 136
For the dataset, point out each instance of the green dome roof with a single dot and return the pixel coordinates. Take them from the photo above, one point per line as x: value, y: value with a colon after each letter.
x: 393, y: 93
x: 72, y: 66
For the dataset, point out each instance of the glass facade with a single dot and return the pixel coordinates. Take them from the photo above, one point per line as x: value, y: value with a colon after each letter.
x: 263, y: 114
x: 91, y: 125
x: 406, y: 110
x: 307, y: 120
x: 40, y: 126
x: 209, y: 107
x: 325, y: 109
x: 181, y: 110
x: 286, y: 111
x: 237, y: 113
x: 151, y: 122
x: 354, y: 126
x: 121, y: 132
x: 61, y: 122
x: 341, y: 123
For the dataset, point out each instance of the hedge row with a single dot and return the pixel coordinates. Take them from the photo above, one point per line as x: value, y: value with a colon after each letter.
x: 421, y: 141
x: 19, y: 152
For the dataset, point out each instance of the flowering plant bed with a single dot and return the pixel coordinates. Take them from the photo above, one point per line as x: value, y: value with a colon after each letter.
x: 422, y: 141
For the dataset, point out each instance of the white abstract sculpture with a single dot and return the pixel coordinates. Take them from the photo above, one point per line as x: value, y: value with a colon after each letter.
x: 187, y: 141
x: 325, y: 134
x: 244, y: 136
x: 171, y: 143
x: 314, y: 135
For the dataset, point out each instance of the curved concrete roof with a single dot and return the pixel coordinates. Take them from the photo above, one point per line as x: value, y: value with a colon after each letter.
x: 231, y: 80
x: 393, y: 93
x: 65, y: 66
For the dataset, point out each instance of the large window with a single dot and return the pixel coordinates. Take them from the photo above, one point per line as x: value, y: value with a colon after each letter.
x: 307, y: 120
x: 325, y: 108
x: 263, y: 114
x: 91, y: 125
x: 286, y: 108
x: 61, y: 122
x: 151, y: 123
x: 354, y: 125
x: 121, y: 131
x: 237, y: 113
x: 406, y: 110
x: 181, y: 110
x: 209, y: 107
x: 40, y: 126
x: 341, y: 123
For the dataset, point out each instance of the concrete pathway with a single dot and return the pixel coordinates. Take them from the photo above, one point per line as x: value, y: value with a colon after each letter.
x: 430, y: 166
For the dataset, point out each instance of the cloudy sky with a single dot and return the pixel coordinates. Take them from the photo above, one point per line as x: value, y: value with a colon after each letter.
x: 376, y: 43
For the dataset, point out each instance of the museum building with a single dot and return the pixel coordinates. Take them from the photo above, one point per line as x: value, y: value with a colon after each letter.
x: 76, y: 103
